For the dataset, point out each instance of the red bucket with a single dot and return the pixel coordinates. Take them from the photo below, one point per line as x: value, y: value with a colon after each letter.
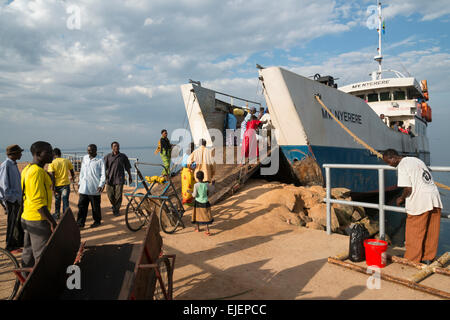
x: 375, y: 252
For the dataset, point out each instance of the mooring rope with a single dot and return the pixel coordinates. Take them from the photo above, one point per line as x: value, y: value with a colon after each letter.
x: 360, y: 141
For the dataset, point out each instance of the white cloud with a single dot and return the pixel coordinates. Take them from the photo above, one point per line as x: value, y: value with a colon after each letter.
x: 150, y: 21
x: 428, y: 10
x: 122, y: 70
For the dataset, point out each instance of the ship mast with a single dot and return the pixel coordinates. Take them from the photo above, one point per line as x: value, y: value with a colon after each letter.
x: 379, y: 57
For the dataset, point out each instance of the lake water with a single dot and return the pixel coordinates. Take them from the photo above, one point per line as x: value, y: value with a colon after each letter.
x: 146, y: 154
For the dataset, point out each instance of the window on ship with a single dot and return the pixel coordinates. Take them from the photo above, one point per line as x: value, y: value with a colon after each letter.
x: 385, y: 96
x: 372, y: 97
x: 399, y: 95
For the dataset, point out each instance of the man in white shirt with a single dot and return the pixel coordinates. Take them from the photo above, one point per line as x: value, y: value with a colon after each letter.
x: 92, y: 182
x: 422, y: 203
x: 267, y: 128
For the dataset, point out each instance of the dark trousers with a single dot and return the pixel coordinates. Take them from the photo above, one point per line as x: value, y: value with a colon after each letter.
x: 62, y: 192
x: 114, y: 193
x: 37, y: 234
x: 14, y: 230
x: 83, y: 204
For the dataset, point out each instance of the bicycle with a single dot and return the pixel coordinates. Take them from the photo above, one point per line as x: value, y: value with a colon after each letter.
x: 140, y: 206
x: 9, y: 284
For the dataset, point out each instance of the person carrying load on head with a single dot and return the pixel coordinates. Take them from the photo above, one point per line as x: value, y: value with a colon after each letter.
x: 250, y: 148
x: 165, y: 150
x: 230, y: 127
x: 422, y: 203
x: 245, y: 121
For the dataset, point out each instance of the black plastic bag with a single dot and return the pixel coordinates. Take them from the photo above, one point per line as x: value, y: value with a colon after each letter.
x: 358, y: 234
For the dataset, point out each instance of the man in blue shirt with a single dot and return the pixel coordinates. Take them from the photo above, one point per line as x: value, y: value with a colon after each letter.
x: 91, y: 184
x: 11, y: 197
x: 230, y: 127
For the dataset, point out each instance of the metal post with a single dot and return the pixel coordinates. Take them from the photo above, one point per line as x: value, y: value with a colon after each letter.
x: 136, y: 175
x: 328, y: 184
x: 381, y: 201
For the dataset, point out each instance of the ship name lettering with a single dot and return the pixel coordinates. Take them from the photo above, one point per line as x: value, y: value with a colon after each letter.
x: 343, y: 116
x: 370, y: 84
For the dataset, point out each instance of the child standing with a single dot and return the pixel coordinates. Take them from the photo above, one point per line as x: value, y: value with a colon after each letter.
x: 202, y: 208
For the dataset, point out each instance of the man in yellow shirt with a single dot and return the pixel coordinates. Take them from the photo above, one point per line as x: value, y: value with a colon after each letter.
x: 37, y: 221
x: 59, y: 172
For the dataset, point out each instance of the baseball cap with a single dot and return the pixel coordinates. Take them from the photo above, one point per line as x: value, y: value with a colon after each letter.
x: 12, y: 149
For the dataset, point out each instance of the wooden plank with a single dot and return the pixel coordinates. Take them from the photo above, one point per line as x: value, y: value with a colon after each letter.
x: 384, y: 276
x: 48, y: 278
x: 145, y: 279
x: 406, y: 262
x: 425, y: 272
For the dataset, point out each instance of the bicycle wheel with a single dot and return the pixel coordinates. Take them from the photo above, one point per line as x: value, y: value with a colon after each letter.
x: 168, y: 216
x: 135, y: 217
x: 176, y: 202
x: 165, y: 270
x: 9, y: 284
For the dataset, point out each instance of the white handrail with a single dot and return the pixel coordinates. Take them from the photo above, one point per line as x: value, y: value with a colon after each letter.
x: 381, y: 206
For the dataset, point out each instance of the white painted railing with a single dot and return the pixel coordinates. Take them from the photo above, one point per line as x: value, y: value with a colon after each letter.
x: 133, y: 173
x: 380, y: 206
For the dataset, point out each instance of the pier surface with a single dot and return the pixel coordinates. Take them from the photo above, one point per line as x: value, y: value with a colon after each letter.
x: 252, y: 254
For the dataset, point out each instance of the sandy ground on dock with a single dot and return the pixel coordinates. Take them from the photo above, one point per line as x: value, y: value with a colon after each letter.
x: 252, y: 254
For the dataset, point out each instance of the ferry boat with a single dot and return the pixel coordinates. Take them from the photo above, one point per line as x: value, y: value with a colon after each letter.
x: 383, y: 112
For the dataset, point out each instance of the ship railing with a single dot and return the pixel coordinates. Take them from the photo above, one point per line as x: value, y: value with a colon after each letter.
x: 134, y: 174
x: 381, y: 206
x: 76, y: 158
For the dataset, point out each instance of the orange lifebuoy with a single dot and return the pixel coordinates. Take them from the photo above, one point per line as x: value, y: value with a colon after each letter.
x: 424, y: 110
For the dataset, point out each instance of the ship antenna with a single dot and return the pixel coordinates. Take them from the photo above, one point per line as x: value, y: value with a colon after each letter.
x: 379, y: 57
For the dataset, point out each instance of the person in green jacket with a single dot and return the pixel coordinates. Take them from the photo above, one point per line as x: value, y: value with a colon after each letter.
x: 202, y: 208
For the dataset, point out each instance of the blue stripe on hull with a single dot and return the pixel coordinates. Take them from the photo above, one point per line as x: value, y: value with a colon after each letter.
x: 355, y: 180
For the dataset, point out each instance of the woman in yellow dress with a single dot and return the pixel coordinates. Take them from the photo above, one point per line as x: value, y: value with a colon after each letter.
x: 187, y: 178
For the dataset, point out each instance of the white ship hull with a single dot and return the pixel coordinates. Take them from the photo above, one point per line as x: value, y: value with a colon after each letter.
x: 307, y: 135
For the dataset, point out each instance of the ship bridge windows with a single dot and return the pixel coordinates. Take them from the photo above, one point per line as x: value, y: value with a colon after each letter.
x: 372, y: 97
x: 385, y: 96
x: 399, y: 95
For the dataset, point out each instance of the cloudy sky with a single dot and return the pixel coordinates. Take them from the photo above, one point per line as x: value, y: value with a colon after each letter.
x: 80, y: 72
